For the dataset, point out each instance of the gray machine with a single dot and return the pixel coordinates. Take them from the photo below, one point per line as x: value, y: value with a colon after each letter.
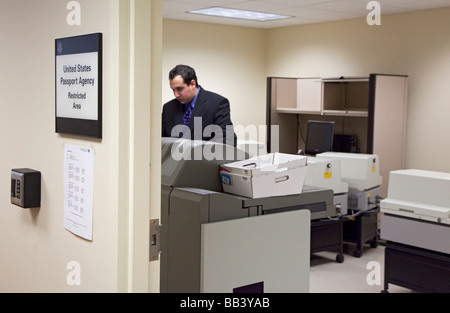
x: 213, y: 241
x: 362, y: 173
x: 415, y: 223
x: 417, y: 209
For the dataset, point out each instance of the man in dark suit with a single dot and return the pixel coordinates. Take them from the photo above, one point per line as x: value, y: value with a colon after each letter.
x: 196, y: 113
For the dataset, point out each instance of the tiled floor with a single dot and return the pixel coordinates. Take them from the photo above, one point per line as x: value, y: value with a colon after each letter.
x: 351, y: 276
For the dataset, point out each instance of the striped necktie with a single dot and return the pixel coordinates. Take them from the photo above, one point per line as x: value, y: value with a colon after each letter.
x: 187, y: 114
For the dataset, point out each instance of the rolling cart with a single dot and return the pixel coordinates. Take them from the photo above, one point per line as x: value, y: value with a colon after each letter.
x: 362, y: 229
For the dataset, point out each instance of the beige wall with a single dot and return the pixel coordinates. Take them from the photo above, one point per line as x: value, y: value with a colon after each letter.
x: 34, y: 246
x: 235, y: 61
x: 415, y: 44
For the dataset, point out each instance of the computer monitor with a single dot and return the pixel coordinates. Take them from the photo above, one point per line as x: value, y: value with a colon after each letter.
x: 319, y: 137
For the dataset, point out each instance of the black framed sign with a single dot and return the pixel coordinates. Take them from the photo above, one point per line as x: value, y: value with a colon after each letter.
x: 79, y: 85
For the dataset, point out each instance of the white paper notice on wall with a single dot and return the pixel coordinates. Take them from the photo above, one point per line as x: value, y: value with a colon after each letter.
x: 78, y: 190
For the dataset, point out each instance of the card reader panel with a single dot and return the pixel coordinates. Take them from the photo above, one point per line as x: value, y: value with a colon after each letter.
x: 26, y: 188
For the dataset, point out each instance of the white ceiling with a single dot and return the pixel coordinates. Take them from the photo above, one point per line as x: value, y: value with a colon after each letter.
x: 302, y: 11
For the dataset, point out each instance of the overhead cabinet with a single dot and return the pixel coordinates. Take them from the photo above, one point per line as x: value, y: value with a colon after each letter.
x: 347, y: 97
x: 370, y: 110
x: 302, y: 95
x: 342, y: 97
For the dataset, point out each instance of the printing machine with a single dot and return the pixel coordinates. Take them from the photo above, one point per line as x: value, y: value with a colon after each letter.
x: 213, y: 241
x: 327, y: 174
x: 362, y: 173
x: 416, y: 225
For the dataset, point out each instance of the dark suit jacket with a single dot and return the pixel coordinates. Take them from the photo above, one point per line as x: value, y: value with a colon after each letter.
x: 213, y: 110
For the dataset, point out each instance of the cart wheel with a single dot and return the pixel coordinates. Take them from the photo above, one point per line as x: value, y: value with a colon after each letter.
x: 357, y: 253
x: 374, y: 243
x: 340, y: 258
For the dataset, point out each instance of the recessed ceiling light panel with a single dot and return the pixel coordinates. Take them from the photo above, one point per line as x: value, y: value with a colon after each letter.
x: 241, y: 14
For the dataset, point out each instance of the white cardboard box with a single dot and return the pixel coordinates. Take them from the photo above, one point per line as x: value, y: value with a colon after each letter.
x: 274, y: 174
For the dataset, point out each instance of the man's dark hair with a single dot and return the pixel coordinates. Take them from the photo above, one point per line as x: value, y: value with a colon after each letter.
x: 187, y: 72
